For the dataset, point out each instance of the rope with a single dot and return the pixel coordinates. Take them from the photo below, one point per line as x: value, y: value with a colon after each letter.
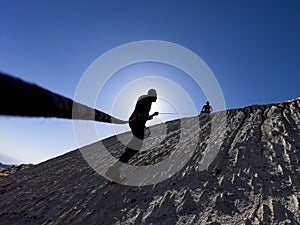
x: 177, y: 113
x: 20, y: 98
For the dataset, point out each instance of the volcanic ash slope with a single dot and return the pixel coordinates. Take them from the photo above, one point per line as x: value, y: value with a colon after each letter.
x: 254, y: 178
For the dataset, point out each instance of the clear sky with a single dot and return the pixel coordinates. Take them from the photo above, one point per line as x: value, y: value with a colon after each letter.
x: 252, y: 47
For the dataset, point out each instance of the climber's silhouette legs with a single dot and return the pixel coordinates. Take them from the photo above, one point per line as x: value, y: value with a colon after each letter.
x: 133, y: 147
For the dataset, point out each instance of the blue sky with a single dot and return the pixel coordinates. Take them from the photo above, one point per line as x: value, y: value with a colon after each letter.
x: 252, y: 47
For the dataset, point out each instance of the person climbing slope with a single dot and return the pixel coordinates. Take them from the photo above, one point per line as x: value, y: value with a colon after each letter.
x: 137, y: 124
x: 206, y: 108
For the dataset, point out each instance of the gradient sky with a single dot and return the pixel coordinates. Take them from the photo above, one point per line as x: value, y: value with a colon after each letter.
x: 252, y: 47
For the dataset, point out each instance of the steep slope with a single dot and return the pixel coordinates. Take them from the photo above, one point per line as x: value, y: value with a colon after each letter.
x: 254, y: 179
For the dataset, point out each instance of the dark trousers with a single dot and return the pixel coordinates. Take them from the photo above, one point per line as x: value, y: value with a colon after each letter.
x: 136, y: 143
x: 127, y: 155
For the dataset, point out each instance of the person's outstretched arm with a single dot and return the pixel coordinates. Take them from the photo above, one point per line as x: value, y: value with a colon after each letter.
x: 151, y: 116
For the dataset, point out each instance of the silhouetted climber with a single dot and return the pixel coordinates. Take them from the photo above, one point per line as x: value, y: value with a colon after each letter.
x: 137, y: 122
x: 206, y: 108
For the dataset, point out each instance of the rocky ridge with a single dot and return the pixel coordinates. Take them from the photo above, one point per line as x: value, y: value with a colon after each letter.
x: 254, y: 178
